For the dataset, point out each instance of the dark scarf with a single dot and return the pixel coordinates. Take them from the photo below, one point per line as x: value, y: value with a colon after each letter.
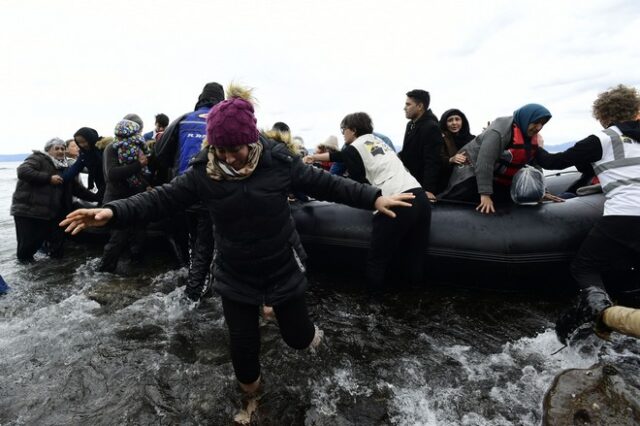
x: 463, y: 136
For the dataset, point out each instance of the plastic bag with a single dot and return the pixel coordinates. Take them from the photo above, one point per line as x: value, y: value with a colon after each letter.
x: 527, y: 186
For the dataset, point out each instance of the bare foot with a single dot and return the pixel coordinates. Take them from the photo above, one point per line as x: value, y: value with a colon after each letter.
x: 317, y: 338
x: 243, y: 417
x: 249, y: 401
x: 267, y: 313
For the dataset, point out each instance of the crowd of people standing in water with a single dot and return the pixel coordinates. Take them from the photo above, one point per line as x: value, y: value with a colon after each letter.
x: 227, y: 187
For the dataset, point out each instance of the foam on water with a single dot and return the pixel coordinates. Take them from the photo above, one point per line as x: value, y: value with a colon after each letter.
x: 519, y: 376
x: 82, y: 347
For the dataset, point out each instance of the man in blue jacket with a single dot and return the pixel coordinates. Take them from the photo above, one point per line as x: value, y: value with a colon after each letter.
x: 180, y: 142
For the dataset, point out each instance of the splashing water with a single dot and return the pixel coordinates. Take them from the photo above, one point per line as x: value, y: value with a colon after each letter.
x: 79, y: 347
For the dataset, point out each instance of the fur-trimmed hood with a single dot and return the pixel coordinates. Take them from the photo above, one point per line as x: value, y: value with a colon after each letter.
x: 283, y: 137
x: 104, y: 142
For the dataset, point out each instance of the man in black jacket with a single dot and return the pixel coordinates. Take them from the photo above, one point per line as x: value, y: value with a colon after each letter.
x: 243, y: 180
x: 423, y: 142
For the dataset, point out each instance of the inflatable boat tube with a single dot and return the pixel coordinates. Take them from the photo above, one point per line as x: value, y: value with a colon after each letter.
x: 514, y: 246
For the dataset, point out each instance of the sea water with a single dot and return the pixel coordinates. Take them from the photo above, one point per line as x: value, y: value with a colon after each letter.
x: 81, y: 347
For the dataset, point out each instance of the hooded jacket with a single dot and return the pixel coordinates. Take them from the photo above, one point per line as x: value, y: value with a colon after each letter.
x: 422, y: 151
x: 37, y: 198
x: 91, y: 160
x: 116, y: 175
x: 258, y: 258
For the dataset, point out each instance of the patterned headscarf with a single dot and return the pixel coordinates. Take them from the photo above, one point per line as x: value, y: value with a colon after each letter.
x: 129, y: 143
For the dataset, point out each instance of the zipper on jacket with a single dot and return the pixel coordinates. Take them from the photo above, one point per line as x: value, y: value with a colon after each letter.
x: 298, y: 260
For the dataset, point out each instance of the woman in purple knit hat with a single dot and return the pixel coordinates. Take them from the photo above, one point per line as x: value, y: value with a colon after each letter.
x: 243, y: 179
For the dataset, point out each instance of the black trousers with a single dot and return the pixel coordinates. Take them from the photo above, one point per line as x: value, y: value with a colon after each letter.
x: 200, y: 229
x: 614, y: 240
x: 296, y: 329
x: 31, y: 233
x: 118, y: 242
x: 399, y: 241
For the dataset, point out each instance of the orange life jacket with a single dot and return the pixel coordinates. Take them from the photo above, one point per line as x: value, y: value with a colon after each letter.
x: 515, y: 157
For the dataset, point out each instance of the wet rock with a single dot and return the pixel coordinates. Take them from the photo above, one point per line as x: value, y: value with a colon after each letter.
x: 595, y: 396
x: 115, y: 293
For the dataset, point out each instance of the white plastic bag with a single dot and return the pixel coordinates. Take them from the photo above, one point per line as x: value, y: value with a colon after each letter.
x: 527, y: 186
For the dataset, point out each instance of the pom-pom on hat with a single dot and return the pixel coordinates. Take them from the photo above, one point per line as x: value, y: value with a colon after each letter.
x: 232, y: 122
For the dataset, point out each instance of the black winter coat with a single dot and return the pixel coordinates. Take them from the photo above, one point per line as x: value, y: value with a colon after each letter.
x: 258, y: 258
x: 37, y: 198
x: 422, y: 151
x: 116, y: 175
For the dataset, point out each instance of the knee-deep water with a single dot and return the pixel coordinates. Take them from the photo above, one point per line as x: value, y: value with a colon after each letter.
x: 82, y: 347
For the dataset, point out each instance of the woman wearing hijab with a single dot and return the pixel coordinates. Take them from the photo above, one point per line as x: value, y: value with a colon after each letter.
x: 42, y: 197
x: 243, y: 179
x: 494, y: 157
x: 127, y: 174
x: 455, y: 131
x: 90, y: 158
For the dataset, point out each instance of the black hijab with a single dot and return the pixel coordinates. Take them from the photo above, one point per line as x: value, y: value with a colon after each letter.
x: 464, y: 135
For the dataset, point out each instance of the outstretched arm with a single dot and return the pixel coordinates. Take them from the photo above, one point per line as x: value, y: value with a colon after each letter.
x: 325, y: 186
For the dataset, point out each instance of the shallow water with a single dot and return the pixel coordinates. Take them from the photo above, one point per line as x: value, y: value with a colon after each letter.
x: 80, y: 347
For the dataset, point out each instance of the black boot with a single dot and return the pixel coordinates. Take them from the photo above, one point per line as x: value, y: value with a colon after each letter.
x: 588, y: 308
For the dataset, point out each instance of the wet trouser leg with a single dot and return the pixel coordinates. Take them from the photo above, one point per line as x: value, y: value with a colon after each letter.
x: 137, y: 238
x: 242, y: 321
x: 201, y: 242
x: 113, y: 249
x: 179, y: 238
x: 55, y: 237
x: 244, y: 339
x: 612, y: 240
x: 30, y: 234
x: 390, y: 234
x: 296, y: 327
x: 412, y: 250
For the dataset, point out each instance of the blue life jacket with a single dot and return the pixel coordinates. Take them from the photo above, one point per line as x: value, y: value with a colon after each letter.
x: 191, y: 133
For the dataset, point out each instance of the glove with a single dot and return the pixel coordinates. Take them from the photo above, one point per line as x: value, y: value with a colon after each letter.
x: 588, y: 308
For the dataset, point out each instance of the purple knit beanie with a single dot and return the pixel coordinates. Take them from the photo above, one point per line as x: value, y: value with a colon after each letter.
x: 232, y: 123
